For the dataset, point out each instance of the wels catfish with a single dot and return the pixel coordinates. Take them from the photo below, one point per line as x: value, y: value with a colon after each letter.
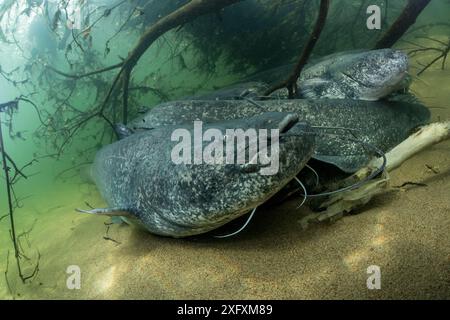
x: 139, y: 179
x: 359, y: 75
x: 382, y: 124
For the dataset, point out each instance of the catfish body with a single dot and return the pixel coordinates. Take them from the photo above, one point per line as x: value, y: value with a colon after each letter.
x: 382, y: 124
x: 139, y: 176
x: 358, y: 75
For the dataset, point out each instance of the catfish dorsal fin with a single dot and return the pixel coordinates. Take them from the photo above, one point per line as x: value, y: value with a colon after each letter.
x: 110, y: 212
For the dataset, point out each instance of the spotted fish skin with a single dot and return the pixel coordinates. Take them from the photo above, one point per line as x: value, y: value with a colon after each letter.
x: 137, y: 173
x: 359, y: 75
x: 382, y: 124
x: 370, y: 76
x: 249, y: 90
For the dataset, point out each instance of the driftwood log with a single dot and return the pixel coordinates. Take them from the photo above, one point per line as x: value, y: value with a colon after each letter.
x: 339, y: 204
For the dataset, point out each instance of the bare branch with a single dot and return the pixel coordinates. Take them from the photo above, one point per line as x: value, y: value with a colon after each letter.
x: 291, y: 82
x: 402, y: 24
x: 85, y: 75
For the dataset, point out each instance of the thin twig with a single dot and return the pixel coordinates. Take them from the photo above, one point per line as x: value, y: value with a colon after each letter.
x: 18, y: 252
x: 85, y: 75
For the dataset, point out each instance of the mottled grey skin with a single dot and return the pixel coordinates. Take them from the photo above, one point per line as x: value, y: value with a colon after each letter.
x: 250, y: 90
x: 382, y: 124
x: 358, y: 75
x: 137, y: 175
x: 363, y: 76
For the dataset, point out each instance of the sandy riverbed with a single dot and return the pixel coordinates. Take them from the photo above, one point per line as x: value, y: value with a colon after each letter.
x: 405, y: 232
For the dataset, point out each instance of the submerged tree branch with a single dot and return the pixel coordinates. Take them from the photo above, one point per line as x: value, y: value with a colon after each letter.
x: 9, y: 182
x: 85, y: 75
x: 407, y: 18
x: 179, y: 17
x: 185, y: 14
x: 443, y: 55
x: 9, y: 198
x: 291, y: 82
x: 121, y: 81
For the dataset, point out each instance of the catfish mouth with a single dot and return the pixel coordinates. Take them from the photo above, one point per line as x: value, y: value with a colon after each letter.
x: 396, y: 81
x: 400, y: 74
x: 400, y: 78
x: 395, y: 65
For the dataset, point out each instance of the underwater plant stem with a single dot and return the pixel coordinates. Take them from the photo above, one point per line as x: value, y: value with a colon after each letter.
x: 406, y: 19
x: 291, y: 82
